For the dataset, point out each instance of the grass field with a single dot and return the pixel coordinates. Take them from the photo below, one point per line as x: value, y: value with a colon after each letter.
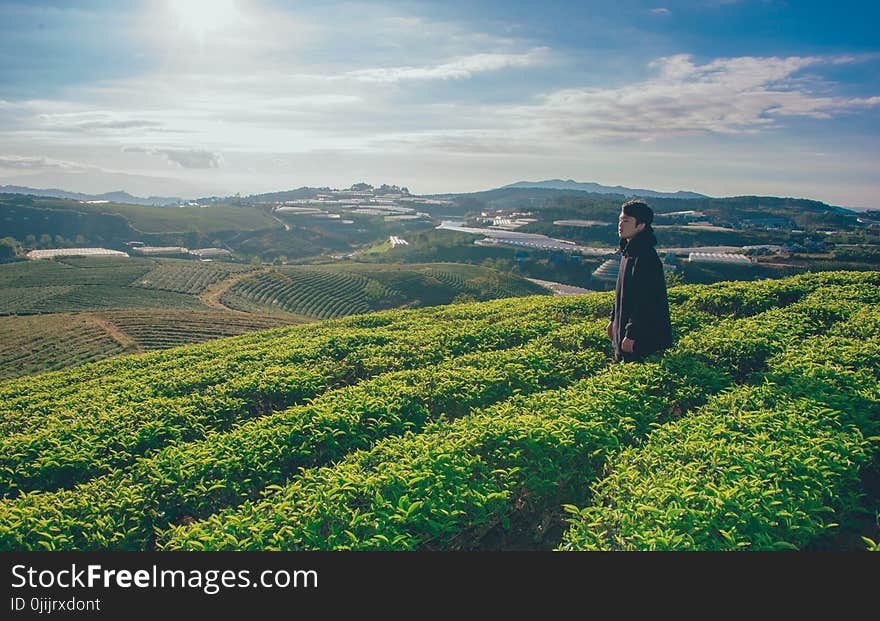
x: 150, y: 219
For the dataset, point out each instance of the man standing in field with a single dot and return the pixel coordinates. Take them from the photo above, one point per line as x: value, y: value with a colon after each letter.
x: 639, y: 323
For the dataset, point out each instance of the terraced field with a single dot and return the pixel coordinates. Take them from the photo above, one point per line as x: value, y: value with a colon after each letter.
x: 335, y: 291
x: 39, y: 343
x: 148, y: 303
x: 494, y: 425
x: 468, y: 280
x: 83, y: 284
x: 161, y: 329
x: 74, y: 271
x: 73, y: 298
x: 456, y: 278
x: 182, y: 276
x: 50, y: 309
x: 301, y: 291
x: 35, y: 344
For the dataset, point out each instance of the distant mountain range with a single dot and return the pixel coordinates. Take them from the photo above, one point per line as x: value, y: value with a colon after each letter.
x: 559, y: 184
x: 551, y: 185
x: 114, y: 197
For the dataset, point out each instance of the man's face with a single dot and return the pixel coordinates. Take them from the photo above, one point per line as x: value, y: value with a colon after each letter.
x: 627, y: 227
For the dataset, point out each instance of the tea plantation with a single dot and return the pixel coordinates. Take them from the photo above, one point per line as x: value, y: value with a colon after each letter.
x: 68, y: 311
x: 494, y: 425
x: 330, y: 291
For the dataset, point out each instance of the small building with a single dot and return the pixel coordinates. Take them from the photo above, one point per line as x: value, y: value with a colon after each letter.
x: 158, y: 250
x: 689, y: 214
x: 300, y: 211
x: 210, y: 252
x: 719, y: 257
x: 52, y: 253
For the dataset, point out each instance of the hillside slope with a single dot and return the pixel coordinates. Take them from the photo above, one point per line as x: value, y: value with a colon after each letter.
x: 328, y: 291
x: 64, y: 312
x: 494, y: 425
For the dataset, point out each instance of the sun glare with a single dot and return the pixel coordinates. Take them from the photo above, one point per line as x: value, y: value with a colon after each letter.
x: 201, y: 17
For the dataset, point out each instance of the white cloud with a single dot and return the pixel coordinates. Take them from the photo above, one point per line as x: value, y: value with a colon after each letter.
x: 132, y: 124
x: 725, y: 96
x: 31, y: 163
x: 275, y: 80
x: 731, y: 96
x: 270, y: 110
x: 98, y: 125
x: 464, y: 142
x: 186, y: 158
x: 374, y: 87
x: 460, y: 68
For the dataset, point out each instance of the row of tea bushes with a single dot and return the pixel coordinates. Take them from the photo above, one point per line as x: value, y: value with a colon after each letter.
x: 449, y: 486
x: 121, y: 510
x: 770, y: 466
x: 67, y: 449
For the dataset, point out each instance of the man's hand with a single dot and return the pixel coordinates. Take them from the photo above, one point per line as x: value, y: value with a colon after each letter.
x: 609, y: 329
x: 627, y: 345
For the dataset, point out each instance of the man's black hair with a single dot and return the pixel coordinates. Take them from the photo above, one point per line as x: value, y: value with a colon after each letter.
x: 639, y: 210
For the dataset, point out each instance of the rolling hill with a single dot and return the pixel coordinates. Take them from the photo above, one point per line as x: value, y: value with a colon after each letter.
x: 67, y: 311
x: 495, y: 425
x: 329, y: 291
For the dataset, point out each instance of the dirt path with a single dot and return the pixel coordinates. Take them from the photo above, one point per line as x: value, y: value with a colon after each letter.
x: 211, y: 295
x: 559, y: 288
x: 281, y: 222
x: 126, y: 342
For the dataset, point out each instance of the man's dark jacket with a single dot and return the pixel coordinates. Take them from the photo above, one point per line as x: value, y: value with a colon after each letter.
x: 641, y: 311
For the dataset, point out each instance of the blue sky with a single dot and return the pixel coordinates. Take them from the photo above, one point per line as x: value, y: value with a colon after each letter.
x: 201, y: 97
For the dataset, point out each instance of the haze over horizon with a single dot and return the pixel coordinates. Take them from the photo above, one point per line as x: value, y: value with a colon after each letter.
x: 216, y: 97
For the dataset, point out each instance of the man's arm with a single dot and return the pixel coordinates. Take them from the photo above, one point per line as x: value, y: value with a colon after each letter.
x: 647, y: 288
